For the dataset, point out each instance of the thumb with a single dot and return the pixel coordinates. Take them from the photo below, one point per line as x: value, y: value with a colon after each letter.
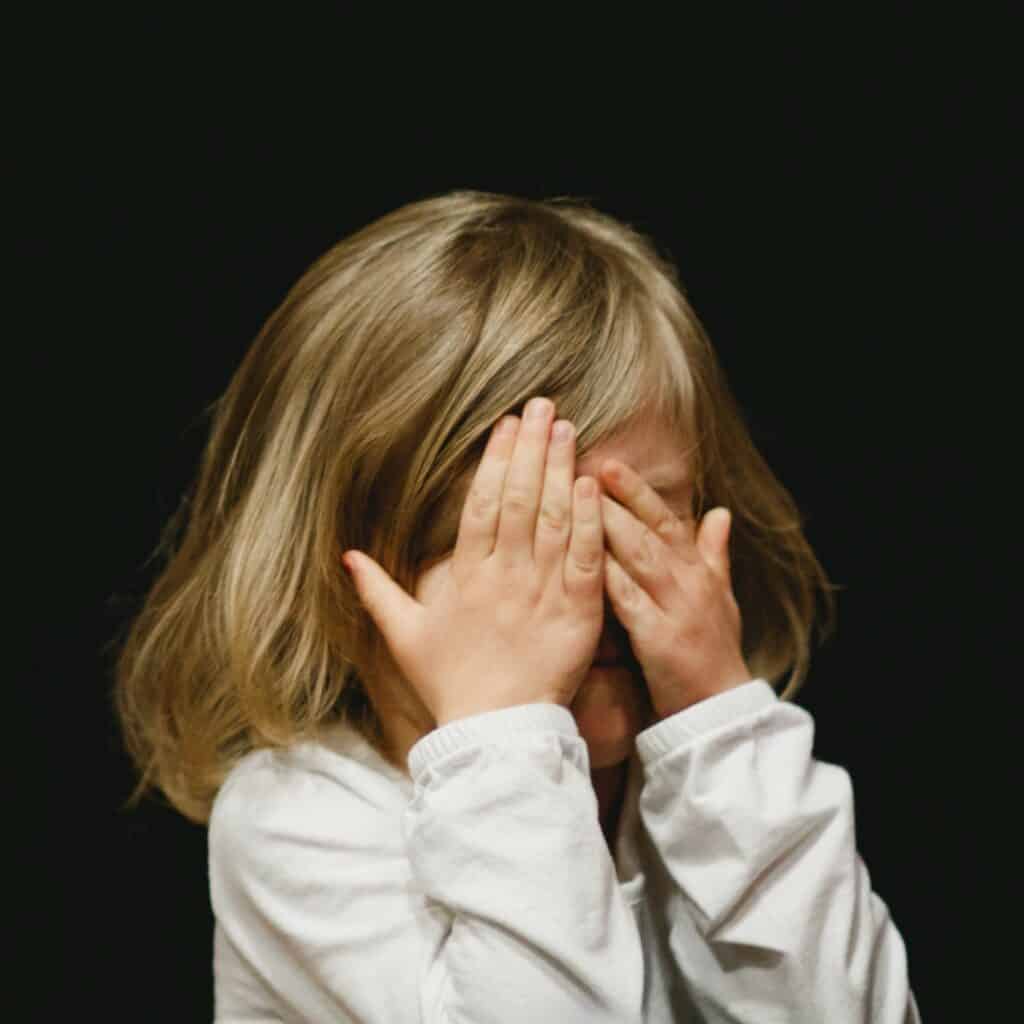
x: 390, y: 607
x: 713, y: 540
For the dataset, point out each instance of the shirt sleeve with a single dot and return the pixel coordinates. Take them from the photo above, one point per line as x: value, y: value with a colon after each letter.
x: 773, y: 917
x: 308, y: 890
x: 503, y: 837
x: 496, y: 902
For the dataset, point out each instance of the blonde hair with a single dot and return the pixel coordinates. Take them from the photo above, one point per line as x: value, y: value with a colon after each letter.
x: 356, y: 420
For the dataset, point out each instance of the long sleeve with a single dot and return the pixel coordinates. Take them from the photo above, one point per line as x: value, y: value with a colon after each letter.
x: 772, y: 917
x: 479, y: 890
x: 503, y: 835
x: 310, y: 891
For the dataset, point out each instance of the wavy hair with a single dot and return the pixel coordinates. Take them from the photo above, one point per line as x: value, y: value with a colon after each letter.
x: 356, y: 419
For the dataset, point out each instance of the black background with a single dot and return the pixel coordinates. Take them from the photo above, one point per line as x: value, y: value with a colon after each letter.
x: 841, y: 226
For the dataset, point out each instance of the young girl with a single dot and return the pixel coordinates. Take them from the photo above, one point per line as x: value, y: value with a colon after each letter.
x: 527, y: 762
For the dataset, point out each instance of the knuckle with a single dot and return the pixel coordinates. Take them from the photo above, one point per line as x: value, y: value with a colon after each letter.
x: 668, y: 525
x: 481, y: 502
x: 588, y: 562
x: 647, y: 547
x: 554, y: 516
x: 518, y: 500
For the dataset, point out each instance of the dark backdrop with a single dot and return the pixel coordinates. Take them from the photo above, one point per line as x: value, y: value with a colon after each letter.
x: 839, y: 234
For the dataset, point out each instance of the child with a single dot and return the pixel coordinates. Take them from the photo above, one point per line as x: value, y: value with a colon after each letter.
x: 526, y: 763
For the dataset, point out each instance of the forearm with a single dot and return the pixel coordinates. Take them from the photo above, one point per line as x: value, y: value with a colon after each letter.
x: 775, y: 912
x: 503, y: 837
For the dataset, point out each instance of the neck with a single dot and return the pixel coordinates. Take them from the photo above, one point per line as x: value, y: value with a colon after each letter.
x: 610, y: 788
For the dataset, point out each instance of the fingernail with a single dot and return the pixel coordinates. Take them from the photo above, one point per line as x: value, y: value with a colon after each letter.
x: 562, y: 431
x: 537, y: 408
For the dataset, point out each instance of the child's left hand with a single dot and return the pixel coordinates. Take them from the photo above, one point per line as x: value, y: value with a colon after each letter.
x: 672, y: 592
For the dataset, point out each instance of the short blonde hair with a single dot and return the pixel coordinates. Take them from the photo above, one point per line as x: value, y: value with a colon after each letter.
x: 356, y: 420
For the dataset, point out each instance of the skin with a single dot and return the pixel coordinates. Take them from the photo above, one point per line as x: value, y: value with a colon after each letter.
x: 612, y: 705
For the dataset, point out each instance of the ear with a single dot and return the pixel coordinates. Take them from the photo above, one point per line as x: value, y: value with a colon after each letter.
x: 713, y: 540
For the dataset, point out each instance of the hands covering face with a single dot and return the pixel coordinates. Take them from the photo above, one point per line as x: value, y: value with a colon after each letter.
x: 669, y: 584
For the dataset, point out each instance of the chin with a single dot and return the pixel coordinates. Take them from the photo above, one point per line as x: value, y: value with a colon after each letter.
x: 607, y: 755
x: 610, y: 708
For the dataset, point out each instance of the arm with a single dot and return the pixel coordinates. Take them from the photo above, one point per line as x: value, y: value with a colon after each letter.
x: 503, y: 834
x: 775, y: 918
x: 489, y: 898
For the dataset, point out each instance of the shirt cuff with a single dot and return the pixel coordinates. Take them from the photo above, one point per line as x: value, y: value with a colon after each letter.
x: 705, y: 716
x: 490, y: 726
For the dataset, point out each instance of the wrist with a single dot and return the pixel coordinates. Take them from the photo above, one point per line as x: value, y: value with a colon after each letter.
x: 684, y: 699
x: 449, y: 716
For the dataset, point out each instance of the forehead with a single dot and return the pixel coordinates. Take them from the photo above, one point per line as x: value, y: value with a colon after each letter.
x: 650, y: 449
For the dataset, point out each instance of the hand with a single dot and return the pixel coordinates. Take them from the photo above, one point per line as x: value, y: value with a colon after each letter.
x: 516, y: 616
x: 672, y: 592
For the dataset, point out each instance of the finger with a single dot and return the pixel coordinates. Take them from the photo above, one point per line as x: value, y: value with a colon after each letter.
x: 630, y: 602
x: 585, y: 563
x: 555, y: 516
x: 478, y: 526
x: 395, y: 613
x: 524, y: 483
x: 636, y: 494
x: 639, y: 552
x: 713, y: 540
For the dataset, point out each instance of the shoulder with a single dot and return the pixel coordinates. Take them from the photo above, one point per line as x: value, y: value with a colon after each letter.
x: 313, y: 796
x: 265, y: 786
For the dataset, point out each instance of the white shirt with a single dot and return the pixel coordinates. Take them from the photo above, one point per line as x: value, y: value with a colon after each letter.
x: 481, y: 890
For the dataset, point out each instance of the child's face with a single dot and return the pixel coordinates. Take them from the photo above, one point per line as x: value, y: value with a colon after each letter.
x: 612, y: 704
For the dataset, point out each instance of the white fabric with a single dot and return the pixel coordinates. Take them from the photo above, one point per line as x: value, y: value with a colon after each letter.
x: 481, y: 890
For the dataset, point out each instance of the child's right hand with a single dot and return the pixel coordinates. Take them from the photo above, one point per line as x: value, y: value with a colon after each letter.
x: 518, y: 616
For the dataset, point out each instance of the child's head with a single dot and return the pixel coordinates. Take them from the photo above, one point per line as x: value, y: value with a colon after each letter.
x: 357, y: 419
